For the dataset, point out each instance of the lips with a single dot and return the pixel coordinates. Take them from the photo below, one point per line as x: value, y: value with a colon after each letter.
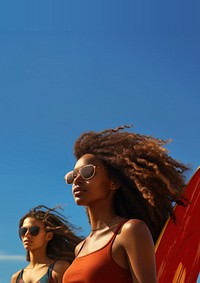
x: 77, y: 191
x: 27, y: 242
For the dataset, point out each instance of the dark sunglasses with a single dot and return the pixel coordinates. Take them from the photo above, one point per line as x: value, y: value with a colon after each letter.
x: 86, y: 172
x: 34, y: 231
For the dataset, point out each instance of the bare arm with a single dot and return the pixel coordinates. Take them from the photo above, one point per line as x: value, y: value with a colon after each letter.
x: 139, y: 247
x: 59, y: 269
x: 14, y: 277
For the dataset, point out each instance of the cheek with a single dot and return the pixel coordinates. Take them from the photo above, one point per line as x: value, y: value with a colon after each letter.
x: 103, y: 187
x: 106, y: 180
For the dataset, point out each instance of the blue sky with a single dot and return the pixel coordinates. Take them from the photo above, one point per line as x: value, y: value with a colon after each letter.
x: 73, y: 66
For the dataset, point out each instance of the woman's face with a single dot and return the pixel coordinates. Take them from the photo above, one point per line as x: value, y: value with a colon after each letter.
x: 33, y: 234
x: 94, y: 185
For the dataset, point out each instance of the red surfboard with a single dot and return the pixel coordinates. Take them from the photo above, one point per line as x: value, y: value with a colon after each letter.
x: 178, y: 247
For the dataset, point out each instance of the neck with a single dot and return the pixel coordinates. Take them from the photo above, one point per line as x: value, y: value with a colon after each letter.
x: 39, y: 259
x: 106, y: 224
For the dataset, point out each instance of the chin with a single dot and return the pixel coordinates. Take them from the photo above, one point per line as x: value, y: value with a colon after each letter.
x: 80, y: 202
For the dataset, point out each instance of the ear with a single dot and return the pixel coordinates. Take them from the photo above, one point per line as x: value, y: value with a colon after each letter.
x: 115, y: 184
x: 49, y: 236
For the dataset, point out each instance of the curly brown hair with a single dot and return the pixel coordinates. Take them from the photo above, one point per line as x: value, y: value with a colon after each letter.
x: 64, y: 240
x: 151, y: 181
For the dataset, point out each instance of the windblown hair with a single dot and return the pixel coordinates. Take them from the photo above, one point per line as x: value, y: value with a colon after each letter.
x: 151, y: 181
x: 64, y: 240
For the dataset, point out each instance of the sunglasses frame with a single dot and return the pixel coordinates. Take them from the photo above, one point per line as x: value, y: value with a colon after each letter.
x: 72, y: 176
x: 23, y: 231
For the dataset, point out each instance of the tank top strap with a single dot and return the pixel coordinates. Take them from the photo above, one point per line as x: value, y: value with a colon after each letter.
x: 111, y: 239
x: 50, y: 269
x: 20, y: 276
x: 83, y: 243
x: 119, y: 226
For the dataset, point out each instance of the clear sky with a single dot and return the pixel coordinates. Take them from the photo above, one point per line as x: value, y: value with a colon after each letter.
x: 71, y: 66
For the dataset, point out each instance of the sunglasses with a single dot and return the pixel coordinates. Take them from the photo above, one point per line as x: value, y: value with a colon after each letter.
x: 86, y: 172
x: 34, y: 231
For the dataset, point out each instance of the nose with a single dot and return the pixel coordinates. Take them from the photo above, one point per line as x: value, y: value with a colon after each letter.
x: 78, y: 179
x: 27, y: 233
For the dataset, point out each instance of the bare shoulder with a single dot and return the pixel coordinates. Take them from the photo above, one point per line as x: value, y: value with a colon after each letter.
x: 59, y: 269
x: 14, y: 276
x: 61, y: 265
x: 136, y: 240
x: 135, y: 230
x: 134, y: 225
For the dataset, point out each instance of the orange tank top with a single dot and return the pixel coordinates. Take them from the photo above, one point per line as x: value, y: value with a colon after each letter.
x: 97, y: 267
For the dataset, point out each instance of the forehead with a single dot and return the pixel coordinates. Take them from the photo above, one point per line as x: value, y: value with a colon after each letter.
x: 31, y: 221
x: 88, y: 159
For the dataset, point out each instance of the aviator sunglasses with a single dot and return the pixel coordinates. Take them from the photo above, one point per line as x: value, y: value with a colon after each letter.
x: 86, y: 172
x: 34, y: 231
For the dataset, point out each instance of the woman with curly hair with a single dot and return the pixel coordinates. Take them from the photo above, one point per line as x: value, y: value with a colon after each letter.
x: 49, y: 241
x: 128, y: 184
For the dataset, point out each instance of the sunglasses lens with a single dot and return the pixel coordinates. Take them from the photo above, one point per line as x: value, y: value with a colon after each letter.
x: 34, y: 231
x: 87, y: 172
x: 22, y: 231
x: 69, y: 178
